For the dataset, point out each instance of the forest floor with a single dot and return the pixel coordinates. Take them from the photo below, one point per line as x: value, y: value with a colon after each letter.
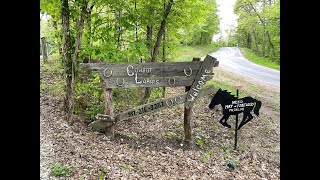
x: 151, y: 146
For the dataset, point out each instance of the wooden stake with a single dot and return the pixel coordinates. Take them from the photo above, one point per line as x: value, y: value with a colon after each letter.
x: 44, y: 49
x: 187, y: 118
x: 109, y: 131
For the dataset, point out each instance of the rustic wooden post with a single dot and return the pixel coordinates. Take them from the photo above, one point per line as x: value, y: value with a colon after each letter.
x: 44, y: 49
x: 109, y: 131
x: 187, y: 117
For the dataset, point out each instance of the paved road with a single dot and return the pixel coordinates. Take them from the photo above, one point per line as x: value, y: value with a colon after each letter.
x: 231, y: 59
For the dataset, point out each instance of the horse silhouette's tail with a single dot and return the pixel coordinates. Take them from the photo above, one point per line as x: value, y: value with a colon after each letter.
x: 257, y: 107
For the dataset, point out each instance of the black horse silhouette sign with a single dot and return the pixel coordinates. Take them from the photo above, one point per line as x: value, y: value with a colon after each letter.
x: 231, y: 105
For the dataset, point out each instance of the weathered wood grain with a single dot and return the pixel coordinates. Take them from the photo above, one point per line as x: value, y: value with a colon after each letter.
x: 105, y: 117
x: 200, y: 80
x: 105, y: 121
x: 160, y: 104
x: 216, y: 63
x: 120, y: 70
x: 109, y: 131
x: 152, y: 81
x: 100, y: 125
x: 187, y: 118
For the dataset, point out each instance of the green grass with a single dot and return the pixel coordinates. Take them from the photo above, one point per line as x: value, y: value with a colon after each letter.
x: 186, y: 53
x: 58, y: 169
x: 251, y: 56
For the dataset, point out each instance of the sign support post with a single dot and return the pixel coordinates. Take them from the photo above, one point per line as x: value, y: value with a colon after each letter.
x: 187, y: 117
x: 236, y: 126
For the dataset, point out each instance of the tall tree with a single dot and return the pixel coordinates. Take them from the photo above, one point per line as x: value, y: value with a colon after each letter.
x: 70, y: 53
x: 167, y: 10
x: 259, y: 20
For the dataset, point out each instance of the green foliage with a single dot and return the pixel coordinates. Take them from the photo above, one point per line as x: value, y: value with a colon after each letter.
x: 156, y: 93
x: 250, y: 55
x: 171, y: 134
x: 115, y: 31
x: 58, y: 169
x: 206, y: 156
x: 101, y: 175
x: 126, y: 98
x: 56, y: 85
x: 89, y: 95
x: 196, y: 21
x: 258, y: 20
x: 186, y: 53
x: 200, y: 141
x: 93, y: 110
x: 226, y: 154
x: 126, y: 166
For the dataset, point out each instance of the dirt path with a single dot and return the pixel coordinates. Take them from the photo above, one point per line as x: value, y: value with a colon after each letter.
x: 46, y: 147
x: 151, y: 146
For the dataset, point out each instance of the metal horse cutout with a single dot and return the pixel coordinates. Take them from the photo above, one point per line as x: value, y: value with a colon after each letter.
x: 232, y: 105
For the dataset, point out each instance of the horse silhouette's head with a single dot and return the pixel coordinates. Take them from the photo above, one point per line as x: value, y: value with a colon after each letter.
x: 216, y: 99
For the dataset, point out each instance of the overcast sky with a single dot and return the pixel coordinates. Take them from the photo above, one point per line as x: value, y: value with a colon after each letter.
x: 226, y: 15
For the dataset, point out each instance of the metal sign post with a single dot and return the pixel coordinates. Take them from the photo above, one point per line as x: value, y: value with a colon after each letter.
x: 238, y: 85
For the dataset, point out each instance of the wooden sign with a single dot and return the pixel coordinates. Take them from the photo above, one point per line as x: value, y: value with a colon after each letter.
x: 104, y: 121
x: 201, y: 78
x: 153, y: 74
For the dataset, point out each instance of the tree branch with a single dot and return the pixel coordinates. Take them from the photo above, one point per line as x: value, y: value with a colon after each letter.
x: 161, y: 30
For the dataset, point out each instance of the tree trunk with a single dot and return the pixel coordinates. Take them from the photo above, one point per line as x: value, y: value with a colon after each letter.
x: 80, y: 28
x: 71, y: 62
x: 149, y: 37
x: 255, y: 41
x: 44, y: 49
x: 164, y: 60
x: 117, y: 34
x: 161, y: 30
x: 272, y: 47
x: 145, y: 98
x: 147, y: 92
x: 89, y: 30
x: 67, y: 58
x: 57, y: 36
x: 164, y: 52
x: 263, y: 42
x: 248, y: 41
x: 136, y: 24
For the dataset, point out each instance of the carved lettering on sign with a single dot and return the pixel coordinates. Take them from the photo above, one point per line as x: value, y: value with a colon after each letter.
x: 131, y: 70
x: 200, y: 80
x: 161, y: 104
x: 146, y: 80
x: 162, y: 74
x: 198, y: 86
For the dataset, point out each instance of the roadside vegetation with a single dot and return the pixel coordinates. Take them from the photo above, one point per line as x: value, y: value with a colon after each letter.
x: 251, y: 56
x: 186, y: 53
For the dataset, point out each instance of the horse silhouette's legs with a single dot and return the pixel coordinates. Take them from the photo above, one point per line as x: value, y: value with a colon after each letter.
x: 224, y: 123
x: 245, y: 115
x: 243, y: 122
